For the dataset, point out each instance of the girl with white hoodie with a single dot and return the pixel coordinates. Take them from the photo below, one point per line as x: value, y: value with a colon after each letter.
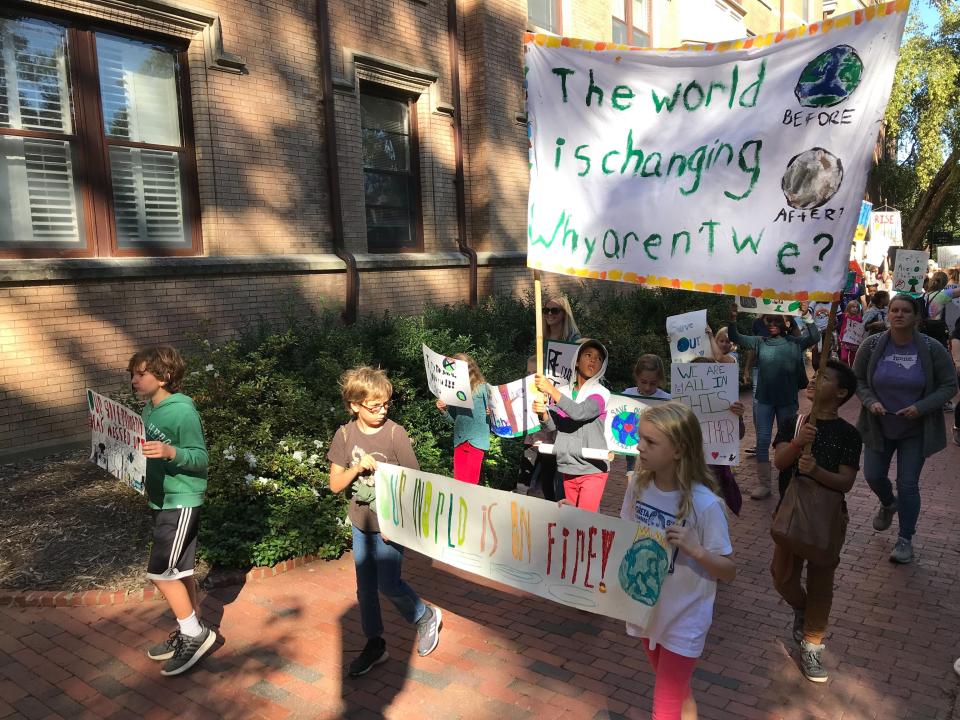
x: 577, y: 412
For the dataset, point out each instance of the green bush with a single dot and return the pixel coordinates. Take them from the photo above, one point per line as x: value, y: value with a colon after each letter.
x: 270, y: 405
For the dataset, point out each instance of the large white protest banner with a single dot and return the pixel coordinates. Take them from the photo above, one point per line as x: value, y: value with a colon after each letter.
x: 646, y: 166
x: 559, y: 361
x: 593, y: 562
x: 688, y: 336
x: 769, y: 306
x: 511, y: 408
x: 909, y: 267
x: 622, y: 423
x: 116, y: 440
x: 709, y: 389
x: 448, y: 378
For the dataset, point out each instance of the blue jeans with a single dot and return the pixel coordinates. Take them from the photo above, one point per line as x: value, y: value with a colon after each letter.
x: 378, y: 571
x: 909, y: 465
x: 763, y: 416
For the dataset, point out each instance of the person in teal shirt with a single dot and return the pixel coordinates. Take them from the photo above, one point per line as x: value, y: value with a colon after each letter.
x: 471, y: 427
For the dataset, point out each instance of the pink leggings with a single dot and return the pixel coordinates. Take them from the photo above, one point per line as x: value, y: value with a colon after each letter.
x: 467, y: 461
x: 585, y: 491
x: 672, y: 685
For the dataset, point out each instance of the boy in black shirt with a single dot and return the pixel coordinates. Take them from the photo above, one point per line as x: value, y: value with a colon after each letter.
x: 833, y: 462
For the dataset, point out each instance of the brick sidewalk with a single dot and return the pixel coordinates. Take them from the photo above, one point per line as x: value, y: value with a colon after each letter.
x: 895, y: 633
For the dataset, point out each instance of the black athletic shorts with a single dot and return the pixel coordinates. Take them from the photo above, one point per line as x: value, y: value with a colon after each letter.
x: 174, y: 543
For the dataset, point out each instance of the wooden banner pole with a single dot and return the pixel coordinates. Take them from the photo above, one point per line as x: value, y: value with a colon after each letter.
x: 538, y: 319
x: 824, y: 357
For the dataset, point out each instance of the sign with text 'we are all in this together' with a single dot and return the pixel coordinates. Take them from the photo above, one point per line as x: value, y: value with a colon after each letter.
x: 593, y: 562
x: 709, y: 389
x: 735, y: 168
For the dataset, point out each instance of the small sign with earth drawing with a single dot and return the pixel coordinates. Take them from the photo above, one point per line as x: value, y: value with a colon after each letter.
x: 622, y: 424
x: 448, y: 378
x: 909, y: 268
x: 688, y: 336
x: 769, y: 306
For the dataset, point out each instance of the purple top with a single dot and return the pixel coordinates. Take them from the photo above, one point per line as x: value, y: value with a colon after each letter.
x: 899, y: 382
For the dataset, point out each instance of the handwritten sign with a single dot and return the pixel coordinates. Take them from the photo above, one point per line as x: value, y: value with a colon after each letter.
x: 589, y: 561
x: 645, y: 167
x: 948, y: 255
x: 909, y: 268
x: 769, y: 306
x: 559, y: 361
x: 622, y: 424
x: 885, y: 227
x: 688, y: 336
x: 709, y: 389
x: 853, y: 332
x: 863, y: 222
x: 511, y: 408
x: 116, y: 440
x: 448, y: 378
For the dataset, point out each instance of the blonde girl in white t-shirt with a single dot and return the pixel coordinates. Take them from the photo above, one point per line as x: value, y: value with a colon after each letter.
x: 672, y: 487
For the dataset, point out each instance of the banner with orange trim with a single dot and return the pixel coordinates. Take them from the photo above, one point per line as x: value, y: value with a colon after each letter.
x: 734, y: 168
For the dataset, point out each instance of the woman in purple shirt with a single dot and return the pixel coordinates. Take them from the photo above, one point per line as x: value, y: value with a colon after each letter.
x: 903, y: 379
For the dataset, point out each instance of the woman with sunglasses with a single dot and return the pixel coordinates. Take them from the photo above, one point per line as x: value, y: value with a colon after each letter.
x: 781, y: 374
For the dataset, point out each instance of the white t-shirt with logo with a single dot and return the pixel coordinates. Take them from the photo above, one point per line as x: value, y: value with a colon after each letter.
x: 683, y: 613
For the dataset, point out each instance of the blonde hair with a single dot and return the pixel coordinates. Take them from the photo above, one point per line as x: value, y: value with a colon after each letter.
x: 680, y: 425
x: 476, y: 377
x: 569, y: 328
x: 649, y: 363
x: 724, y: 332
x: 362, y: 383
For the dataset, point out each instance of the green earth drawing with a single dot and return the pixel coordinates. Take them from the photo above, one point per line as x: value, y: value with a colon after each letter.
x: 830, y: 77
x: 643, y: 570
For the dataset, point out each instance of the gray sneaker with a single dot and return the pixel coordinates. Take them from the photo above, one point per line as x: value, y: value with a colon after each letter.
x: 187, y: 651
x: 798, y: 626
x: 810, y: 663
x: 884, y: 517
x: 164, y: 650
x: 428, y: 631
x: 902, y: 552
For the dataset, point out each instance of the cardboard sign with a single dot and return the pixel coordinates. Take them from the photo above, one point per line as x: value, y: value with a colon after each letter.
x: 863, y: 222
x: 688, y: 336
x: 709, y: 389
x: 853, y: 332
x: 769, y: 306
x: 116, y: 440
x: 448, y: 379
x: 909, y: 269
x: 885, y: 227
x: 948, y: 256
x: 730, y: 168
x: 622, y: 423
x: 558, y: 359
x: 511, y: 408
x: 585, y: 560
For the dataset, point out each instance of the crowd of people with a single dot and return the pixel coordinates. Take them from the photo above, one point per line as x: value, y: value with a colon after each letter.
x: 903, y: 378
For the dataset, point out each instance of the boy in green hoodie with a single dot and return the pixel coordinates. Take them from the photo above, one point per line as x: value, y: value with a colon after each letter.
x: 176, y: 480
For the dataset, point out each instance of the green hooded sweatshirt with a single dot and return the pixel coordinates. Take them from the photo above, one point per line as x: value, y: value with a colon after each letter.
x: 182, y: 481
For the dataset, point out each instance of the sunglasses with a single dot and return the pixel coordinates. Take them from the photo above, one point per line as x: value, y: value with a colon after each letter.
x: 552, y: 311
x: 378, y: 407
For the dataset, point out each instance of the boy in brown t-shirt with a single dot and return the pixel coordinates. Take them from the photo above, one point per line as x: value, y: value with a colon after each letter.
x: 354, y: 453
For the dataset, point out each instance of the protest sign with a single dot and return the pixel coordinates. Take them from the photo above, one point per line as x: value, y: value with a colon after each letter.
x: 909, y: 268
x: 853, y: 332
x: 885, y: 226
x: 589, y: 561
x: 709, y: 389
x: 948, y: 255
x: 863, y: 222
x: 622, y: 423
x: 448, y: 379
x: 769, y: 306
x: 645, y: 166
x: 688, y: 336
x: 559, y: 361
x: 116, y: 440
x: 511, y: 408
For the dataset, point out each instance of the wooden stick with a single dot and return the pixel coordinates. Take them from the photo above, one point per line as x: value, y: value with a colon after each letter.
x: 824, y: 358
x: 538, y: 309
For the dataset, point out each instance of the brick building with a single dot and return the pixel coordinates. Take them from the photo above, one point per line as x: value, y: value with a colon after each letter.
x: 170, y: 168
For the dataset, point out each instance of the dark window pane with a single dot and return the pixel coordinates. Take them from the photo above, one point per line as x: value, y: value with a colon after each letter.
x: 619, y: 32
x: 385, y: 189
x: 385, y: 151
x: 383, y: 114
x: 385, y: 239
x: 640, y: 38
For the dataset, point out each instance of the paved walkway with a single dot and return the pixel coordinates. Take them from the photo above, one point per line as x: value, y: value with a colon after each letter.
x: 506, y: 655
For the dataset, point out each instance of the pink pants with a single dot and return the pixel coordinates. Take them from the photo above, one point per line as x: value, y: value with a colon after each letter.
x: 672, y: 685
x: 585, y: 491
x: 467, y: 461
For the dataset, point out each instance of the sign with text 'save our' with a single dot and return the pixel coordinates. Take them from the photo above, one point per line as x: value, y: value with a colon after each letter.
x: 622, y: 424
x: 586, y: 560
x: 735, y: 168
x: 688, y: 336
x: 448, y: 378
x: 116, y: 440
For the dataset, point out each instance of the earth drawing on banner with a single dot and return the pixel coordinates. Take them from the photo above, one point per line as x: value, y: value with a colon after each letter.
x: 624, y: 428
x: 643, y: 570
x: 830, y: 78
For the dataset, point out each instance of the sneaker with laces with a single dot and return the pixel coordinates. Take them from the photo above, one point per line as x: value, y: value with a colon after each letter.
x: 948, y: 406
x: 187, y: 651
x: 902, y: 552
x: 798, y: 626
x: 810, y: 663
x: 164, y: 650
x: 884, y: 517
x: 428, y: 631
x: 373, y: 653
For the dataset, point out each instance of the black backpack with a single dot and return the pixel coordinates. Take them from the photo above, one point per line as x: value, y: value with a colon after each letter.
x: 935, y: 327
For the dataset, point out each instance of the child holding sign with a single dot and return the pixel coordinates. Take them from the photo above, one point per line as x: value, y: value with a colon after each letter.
x: 176, y: 481
x: 471, y: 427
x: 577, y: 413
x: 851, y: 332
x: 354, y: 453
x: 674, y: 486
